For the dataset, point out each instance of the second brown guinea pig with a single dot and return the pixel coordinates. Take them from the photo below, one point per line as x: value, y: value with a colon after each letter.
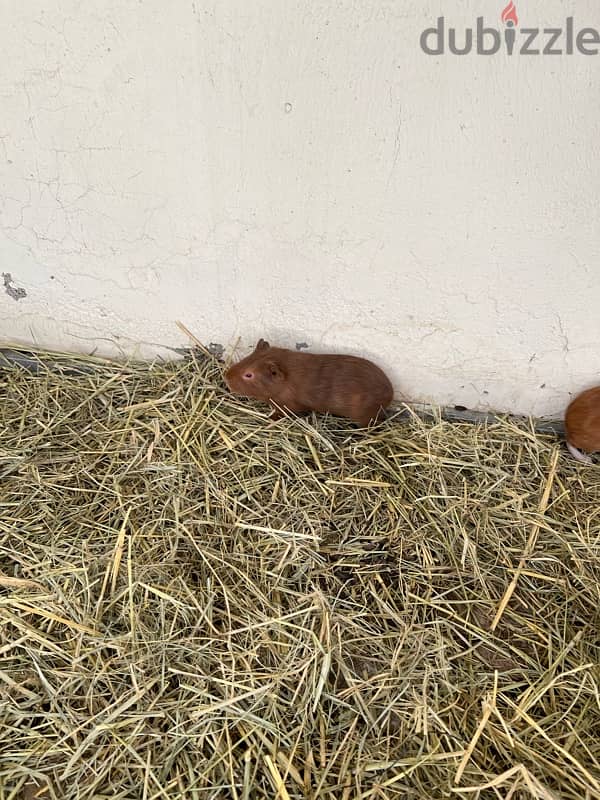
x: 346, y: 386
x: 582, y: 425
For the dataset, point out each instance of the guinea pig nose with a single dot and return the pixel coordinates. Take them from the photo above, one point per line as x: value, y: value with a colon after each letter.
x: 248, y: 375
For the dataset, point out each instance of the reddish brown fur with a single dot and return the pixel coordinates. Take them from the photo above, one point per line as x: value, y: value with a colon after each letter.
x: 582, y: 421
x: 345, y: 386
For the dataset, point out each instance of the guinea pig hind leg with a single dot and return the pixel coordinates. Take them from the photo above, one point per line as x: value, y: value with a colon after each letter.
x: 578, y: 455
x: 368, y: 419
x: 378, y: 415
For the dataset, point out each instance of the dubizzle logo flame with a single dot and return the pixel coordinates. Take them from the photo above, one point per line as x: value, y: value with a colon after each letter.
x: 509, y: 15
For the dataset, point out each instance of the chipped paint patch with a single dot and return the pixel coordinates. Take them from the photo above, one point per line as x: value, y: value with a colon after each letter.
x: 216, y: 350
x: 17, y: 293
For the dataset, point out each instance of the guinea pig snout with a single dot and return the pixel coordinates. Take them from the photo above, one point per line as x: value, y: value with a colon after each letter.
x: 228, y: 378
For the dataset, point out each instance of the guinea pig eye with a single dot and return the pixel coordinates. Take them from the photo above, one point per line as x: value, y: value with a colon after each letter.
x: 248, y: 376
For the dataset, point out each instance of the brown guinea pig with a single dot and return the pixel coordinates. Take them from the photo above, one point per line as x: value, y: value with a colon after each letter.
x: 582, y: 424
x: 345, y: 386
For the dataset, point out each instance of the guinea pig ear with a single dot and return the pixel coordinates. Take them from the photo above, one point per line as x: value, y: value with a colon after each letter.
x: 261, y: 345
x: 275, y: 371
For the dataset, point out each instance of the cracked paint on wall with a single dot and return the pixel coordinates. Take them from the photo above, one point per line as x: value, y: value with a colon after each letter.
x: 438, y: 215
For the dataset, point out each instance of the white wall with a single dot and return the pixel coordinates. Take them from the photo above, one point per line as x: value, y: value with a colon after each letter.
x: 302, y: 171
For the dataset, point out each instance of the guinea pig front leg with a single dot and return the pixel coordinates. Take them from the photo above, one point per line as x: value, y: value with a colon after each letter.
x: 292, y: 408
x: 278, y: 411
x: 276, y: 414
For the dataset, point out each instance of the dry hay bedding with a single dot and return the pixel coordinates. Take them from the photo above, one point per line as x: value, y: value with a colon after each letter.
x: 196, y: 603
